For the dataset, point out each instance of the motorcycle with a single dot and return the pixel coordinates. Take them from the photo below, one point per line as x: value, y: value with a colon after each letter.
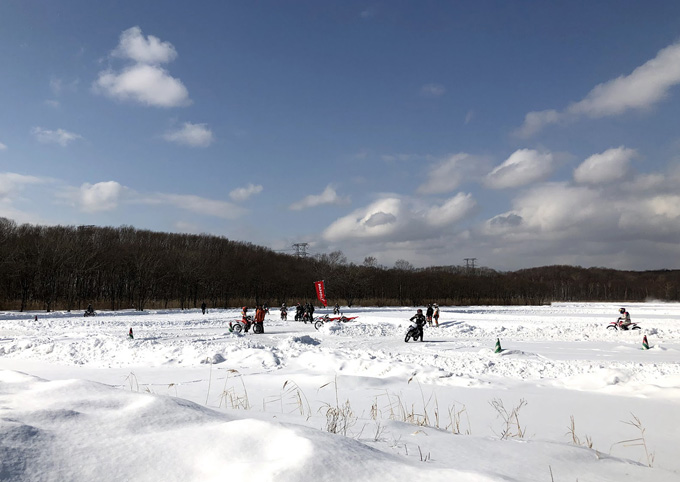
x: 89, y: 313
x: 241, y: 325
x: 618, y: 325
x: 318, y: 322
x: 415, y: 332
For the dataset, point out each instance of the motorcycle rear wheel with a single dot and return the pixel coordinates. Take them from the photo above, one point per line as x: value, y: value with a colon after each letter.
x: 237, y: 327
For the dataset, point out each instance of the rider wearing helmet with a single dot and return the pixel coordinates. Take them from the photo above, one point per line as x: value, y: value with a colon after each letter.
x: 420, y: 321
x: 624, y: 319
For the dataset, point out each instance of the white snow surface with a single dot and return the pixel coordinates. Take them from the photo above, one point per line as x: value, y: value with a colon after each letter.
x: 186, y: 400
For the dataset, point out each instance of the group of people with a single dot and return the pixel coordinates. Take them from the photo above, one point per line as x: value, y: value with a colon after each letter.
x: 420, y: 319
x: 304, y: 312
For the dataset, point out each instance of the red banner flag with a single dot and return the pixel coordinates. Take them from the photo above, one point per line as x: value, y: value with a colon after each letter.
x: 320, y: 292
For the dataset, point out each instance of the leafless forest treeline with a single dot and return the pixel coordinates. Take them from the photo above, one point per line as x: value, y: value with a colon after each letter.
x: 66, y: 268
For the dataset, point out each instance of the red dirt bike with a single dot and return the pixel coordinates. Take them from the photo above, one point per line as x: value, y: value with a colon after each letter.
x: 618, y: 325
x: 243, y: 326
x: 318, y: 323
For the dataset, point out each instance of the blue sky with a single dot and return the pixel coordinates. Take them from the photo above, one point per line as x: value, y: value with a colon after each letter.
x: 521, y: 133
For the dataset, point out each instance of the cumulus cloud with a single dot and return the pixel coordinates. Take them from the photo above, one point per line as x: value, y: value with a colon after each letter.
x: 194, y: 135
x: 452, y: 211
x: 447, y: 175
x: 145, y: 81
x: 150, y: 50
x: 328, y: 196
x: 243, y: 193
x: 611, y: 165
x: 102, y: 196
x: 147, y: 84
x: 432, y: 90
x: 2, y: 146
x: 563, y: 216
x: 524, y: 166
x: 60, y: 136
x: 642, y: 88
x: 394, y: 219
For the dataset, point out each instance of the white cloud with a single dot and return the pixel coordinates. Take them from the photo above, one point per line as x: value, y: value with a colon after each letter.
x: 53, y: 103
x: 2, y: 146
x: 147, y: 84
x: 11, y: 183
x: 452, y: 211
x: 328, y: 196
x: 194, y: 135
x: 60, y: 136
x: 378, y: 219
x: 556, y: 217
x: 242, y: 193
x: 145, y: 81
x: 197, y: 205
x: 644, y: 87
x: 448, y: 174
x: 397, y: 219
x: 535, y: 121
x: 432, y: 90
x: 149, y: 50
x: 102, y: 196
x: 611, y: 165
x: 523, y: 167
x: 58, y: 86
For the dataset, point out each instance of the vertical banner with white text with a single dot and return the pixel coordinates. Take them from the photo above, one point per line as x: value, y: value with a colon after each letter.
x: 320, y: 292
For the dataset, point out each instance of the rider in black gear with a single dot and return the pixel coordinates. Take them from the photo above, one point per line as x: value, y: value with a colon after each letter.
x: 420, y: 321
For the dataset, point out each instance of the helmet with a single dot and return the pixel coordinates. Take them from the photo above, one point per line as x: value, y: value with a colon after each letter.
x: 420, y: 312
x: 622, y: 310
x: 245, y: 308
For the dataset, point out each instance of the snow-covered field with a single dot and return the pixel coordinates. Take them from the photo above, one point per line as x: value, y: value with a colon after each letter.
x: 187, y: 400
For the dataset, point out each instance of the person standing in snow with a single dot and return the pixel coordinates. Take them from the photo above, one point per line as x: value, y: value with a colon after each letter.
x: 203, y: 306
x: 429, y: 313
x: 259, y: 317
x: 311, y: 311
x: 436, y: 314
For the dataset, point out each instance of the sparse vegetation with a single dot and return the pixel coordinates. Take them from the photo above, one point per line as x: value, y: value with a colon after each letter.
x: 640, y: 441
x: 511, y: 426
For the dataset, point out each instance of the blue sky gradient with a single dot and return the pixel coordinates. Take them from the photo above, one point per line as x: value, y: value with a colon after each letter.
x: 522, y: 133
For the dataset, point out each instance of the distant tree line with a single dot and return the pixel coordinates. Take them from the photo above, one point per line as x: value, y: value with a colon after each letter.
x: 67, y: 268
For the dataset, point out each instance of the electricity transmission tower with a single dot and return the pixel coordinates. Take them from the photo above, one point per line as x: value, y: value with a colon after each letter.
x: 300, y: 250
x: 470, y: 263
